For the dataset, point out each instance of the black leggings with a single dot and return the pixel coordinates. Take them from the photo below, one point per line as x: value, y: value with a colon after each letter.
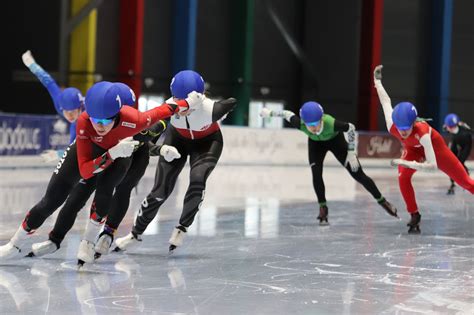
x: 66, y: 176
x: 338, y: 146
x: 204, y: 154
x: 120, y: 202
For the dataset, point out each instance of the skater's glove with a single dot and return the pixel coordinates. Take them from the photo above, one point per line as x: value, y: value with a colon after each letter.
x: 195, y: 100
x: 169, y: 153
x: 27, y: 58
x: 123, y: 149
x: 49, y: 156
x: 378, y: 73
x: 427, y: 167
x: 352, y: 160
x: 265, y: 113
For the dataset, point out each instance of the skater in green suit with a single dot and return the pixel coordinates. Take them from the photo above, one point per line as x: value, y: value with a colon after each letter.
x: 325, y: 133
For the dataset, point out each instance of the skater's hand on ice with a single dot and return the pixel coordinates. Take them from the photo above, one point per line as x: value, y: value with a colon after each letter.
x: 265, y: 113
x: 49, y: 156
x: 352, y: 160
x: 123, y: 149
x: 378, y: 73
x: 27, y: 58
x: 169, y: 153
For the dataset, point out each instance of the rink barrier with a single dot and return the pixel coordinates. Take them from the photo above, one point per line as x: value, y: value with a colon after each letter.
x: 23, y: 137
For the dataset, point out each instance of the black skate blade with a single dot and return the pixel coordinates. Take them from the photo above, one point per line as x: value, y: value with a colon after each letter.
x: 31, y: 254
x: 323, y: 223
x: 97, y: 256
x: 80, y: 263
x: 171, y: 249
x: 414, y: 230
x: 117, y: 249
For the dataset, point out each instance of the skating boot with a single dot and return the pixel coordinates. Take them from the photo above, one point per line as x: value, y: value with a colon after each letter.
x: 9, y: 251
x: 388, y: 207
x: 131, y: 240
x: 414, y: 224
x: 451, y: 189
x: 103, y: 244
x: 323, y: 215
x: 86, y: 253
x: 177, y: 238
x: 44, y: 248
x: 12, y: 249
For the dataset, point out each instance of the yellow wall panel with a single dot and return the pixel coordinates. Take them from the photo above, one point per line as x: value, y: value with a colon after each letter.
x: 82, y: 48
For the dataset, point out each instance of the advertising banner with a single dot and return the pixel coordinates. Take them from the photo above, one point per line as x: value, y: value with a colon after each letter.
x: 31, y: 134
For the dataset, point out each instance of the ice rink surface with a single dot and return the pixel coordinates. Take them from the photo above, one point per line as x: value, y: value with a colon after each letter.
x: 256, y: 248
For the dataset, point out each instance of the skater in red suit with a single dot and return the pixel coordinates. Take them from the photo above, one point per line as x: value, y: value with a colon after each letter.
x: 424, y: 149
x: 102, y: 145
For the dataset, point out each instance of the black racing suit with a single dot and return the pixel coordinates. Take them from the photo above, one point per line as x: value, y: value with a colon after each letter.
x: 461, y: 144
x: 136, y: 166
x: 204, y: 154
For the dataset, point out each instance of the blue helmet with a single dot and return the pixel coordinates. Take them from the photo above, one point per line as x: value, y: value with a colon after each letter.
x: 103, y: 100
x: 70, y: 99
x: 404, y: 115
x: 451, y: 120
x: 311, y: 113
x: 186, y: 81
x: 126, y: 94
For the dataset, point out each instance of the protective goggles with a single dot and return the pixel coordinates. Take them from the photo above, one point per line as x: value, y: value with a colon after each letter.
x: 313, y: 124
x: 102, y: 121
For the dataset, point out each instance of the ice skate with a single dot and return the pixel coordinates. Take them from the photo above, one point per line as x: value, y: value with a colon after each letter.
x: 176, y: 238
x: 86, y: 253
x: 451, y: 189
x: 323, y: 215
x: 9, y: 251
x: 129, y: 241
x: 414, y: 224
x: 389, y: 208
x: 103, y: 244
x: 43, y: 248
x: 12, y: 249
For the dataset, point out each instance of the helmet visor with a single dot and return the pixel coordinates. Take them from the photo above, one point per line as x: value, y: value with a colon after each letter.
x: 102, y: 121
x: 313, y: 124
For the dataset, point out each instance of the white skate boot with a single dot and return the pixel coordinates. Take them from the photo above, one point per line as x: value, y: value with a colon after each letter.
x: 129, y: 241
x: 177, y: 238
x: 102, y: 246
x: 86, y: 253
x: 44, y: 248
x: 9, y: 251
x: 12, y: 249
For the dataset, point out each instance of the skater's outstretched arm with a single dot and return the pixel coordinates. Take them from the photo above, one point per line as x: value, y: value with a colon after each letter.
x: 350, y: 130
x: 45, y: 79
x: 289, y: 116
x: 222, y: 108
x: 153, y: 133
x: 383, y: 97
x: 429, y: 165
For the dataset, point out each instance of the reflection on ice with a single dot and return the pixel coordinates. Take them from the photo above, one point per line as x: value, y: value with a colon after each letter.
x: 256, y: 248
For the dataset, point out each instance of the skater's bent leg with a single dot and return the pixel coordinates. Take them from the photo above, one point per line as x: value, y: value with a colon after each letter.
x: 451, y: 166
x: 106, y: 183
x: 200, y: 171
x: 165, y: 180
x: 64, y: 178
x: 121, y: 198
x: 316, y: 155
x: 68, y: 213
x: 406, y: 188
